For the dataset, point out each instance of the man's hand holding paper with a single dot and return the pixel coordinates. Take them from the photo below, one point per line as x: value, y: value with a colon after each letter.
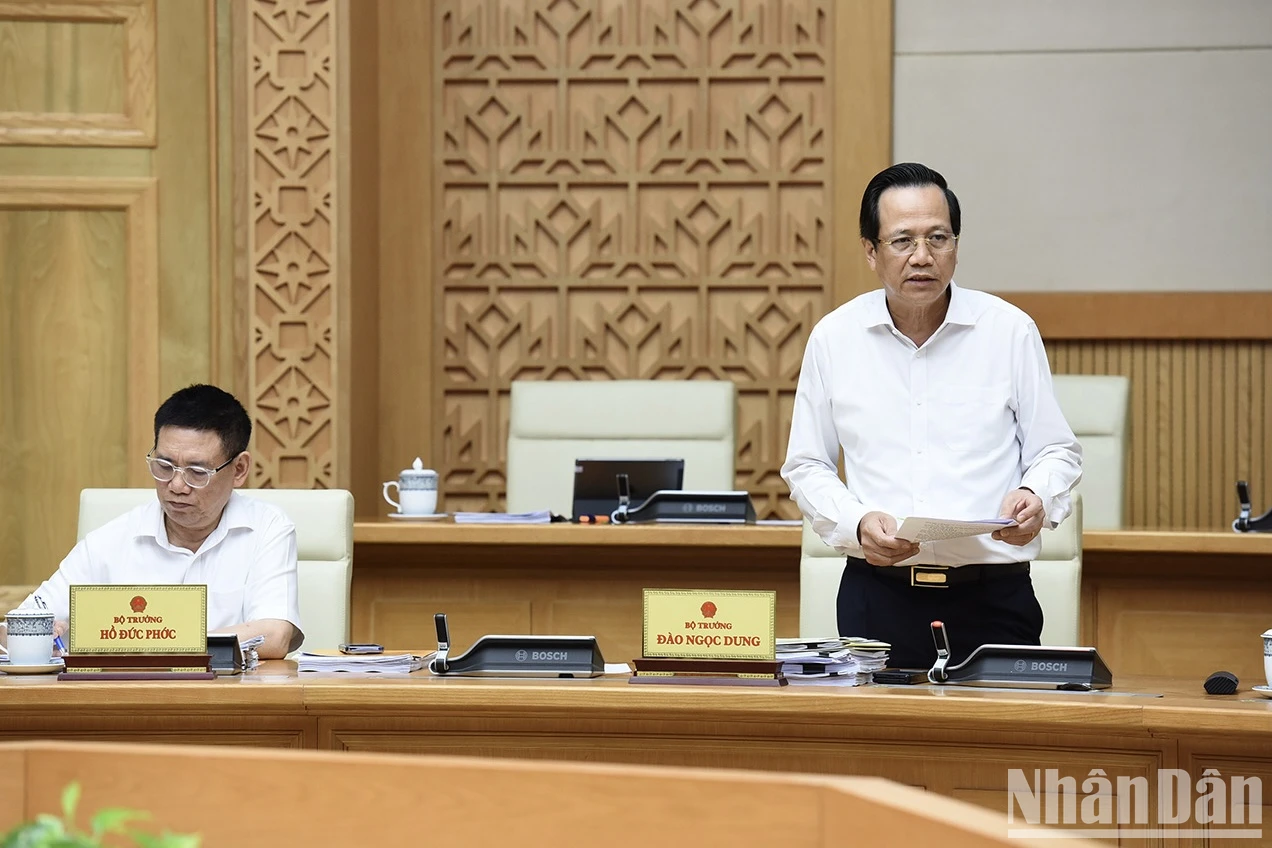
x: 1025, y: 508
x: 879, y: 543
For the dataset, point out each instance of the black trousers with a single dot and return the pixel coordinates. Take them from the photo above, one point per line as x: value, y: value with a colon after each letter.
x: 1001, y: 610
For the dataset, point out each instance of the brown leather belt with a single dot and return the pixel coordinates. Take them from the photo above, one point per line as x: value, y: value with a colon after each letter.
x: 941, y: 576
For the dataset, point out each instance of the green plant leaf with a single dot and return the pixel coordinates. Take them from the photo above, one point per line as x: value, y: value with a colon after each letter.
x: 113, y: 819
x: 167, y: 840
x: 36, y: 834
x: 52, y: 825
x: 73, y: 840
x: 70, y: 800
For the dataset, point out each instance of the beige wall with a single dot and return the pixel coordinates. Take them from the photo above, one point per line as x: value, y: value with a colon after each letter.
x: 1095, y: 146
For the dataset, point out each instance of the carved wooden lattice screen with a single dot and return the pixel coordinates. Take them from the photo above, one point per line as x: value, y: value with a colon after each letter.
x: 627, y: 190
x: 291, y: 240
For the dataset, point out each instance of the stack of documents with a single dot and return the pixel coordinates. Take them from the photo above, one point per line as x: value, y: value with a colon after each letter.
x: 540, y: 517
x: 871, y: 656
x: 824, y: 660
x: 835, y: 660
x: 377, y: 663
x: 251, y: 659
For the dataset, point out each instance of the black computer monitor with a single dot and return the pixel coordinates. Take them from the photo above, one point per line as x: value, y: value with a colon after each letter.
x: 596, y: 484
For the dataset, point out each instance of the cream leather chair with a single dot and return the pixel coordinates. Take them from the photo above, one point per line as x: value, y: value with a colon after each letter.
x: 553, y: 423
x: 324, y: 542
x: 1056, y: 575
x: 1097, y: 407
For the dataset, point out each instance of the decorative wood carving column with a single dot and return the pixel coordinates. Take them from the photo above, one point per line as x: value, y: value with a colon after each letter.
x: 292, y: 234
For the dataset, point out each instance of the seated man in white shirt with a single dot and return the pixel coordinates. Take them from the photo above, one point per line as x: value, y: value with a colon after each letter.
x: 941, y: 400
x: 199, y: 530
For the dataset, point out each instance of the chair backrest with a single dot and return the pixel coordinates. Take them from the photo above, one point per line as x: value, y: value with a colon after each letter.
x: 553, y: 423
x: 1057, y: 579
x: 821, y: 568
x: 324, y: 544
x: 1097, y: 407
x: 1056, y: 575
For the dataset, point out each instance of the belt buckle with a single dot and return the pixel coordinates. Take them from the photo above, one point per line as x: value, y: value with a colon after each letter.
x: 930, y: 576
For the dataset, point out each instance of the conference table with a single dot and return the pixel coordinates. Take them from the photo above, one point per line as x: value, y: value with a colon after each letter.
x: 1178, y: 604
x: 956, y: 741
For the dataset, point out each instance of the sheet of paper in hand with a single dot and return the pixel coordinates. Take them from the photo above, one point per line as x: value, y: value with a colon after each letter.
x: 937, y: 529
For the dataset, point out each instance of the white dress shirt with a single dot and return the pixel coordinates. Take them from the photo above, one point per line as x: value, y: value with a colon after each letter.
x: 945, y: 430
x: 248, y: 563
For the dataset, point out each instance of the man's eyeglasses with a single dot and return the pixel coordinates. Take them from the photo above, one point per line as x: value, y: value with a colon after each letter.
x: 936, y: 243
x: 196, y: 477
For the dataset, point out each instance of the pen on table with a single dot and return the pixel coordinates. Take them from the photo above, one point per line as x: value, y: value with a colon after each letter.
x: 57, y: 640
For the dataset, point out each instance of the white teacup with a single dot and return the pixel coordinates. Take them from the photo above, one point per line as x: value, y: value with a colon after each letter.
x: 1267, y: 655
x: 30, y: 637
x: 416, y: 488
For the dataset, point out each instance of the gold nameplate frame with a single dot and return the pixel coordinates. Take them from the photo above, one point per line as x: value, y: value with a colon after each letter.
x: 723, y: 624
x: 139, y: 619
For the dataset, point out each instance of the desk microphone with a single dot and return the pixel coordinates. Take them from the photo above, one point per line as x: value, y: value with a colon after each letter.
x: 1221, y: 683
x: 937, y: 673
x: 439, y: 665
x: 619, y: 516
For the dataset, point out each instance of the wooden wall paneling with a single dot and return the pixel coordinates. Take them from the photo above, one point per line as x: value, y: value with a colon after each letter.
x: 863, y: 131
x: 1200, y: 419
x: 228, y: 336
x: 184, y: 166
x: 341, y: 328
x: 295, y: 244
x: 409, y: 154
x: 90, y: 85
x: 1114, y: 315
x: 80, y: 292
x: 1156, y: 626
x: 364, y: 253
x: 241, y: 191
x: 542, y: 589
x: 642, y: 191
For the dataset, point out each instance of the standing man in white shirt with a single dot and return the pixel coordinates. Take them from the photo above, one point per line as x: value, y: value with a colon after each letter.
x: 198, y: 530
x: 941, y: 400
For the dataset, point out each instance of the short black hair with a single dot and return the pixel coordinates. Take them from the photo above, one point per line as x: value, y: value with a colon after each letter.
x: 207, y: 408
x: 904, y: 175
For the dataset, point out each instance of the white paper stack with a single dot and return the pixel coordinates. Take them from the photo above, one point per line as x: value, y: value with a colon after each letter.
x: 541, y: 517
x: 871, y: 656
x: 251, y: 659
x: 373, y: 663
x: 833, y: 660
x: 826, y: 660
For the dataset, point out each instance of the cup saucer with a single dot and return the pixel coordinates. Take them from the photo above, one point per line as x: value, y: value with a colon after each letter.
x: 54, y: 664
x: 432, y: 516
x: 1264, y: 691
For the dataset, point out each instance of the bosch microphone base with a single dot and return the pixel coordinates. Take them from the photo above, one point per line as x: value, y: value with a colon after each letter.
x: 519, y: 656
x: 1028, y: 667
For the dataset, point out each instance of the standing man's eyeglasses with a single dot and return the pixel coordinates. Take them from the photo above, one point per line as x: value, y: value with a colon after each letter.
x: 936, y: 243
x: 196, y: 477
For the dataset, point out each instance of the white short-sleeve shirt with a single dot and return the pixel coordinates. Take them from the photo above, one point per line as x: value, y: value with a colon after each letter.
x: 248, y: 563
